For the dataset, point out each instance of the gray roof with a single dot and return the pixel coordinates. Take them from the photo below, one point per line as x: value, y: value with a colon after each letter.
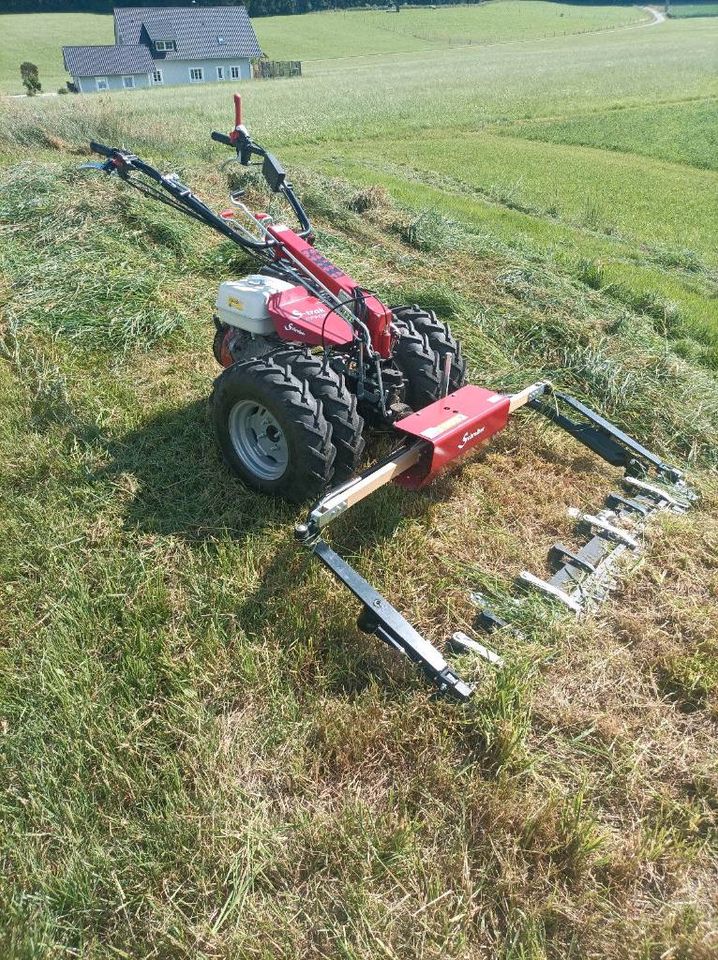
x: 201, y: 33
x: 107, y: 61
x: 160, y: 29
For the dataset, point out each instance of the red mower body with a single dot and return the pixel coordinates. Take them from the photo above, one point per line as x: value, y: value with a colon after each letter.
x: 450, y: 427
x: 300, y: 317
x: 378, y: 317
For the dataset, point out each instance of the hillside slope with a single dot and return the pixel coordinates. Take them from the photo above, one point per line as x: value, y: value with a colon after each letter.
x: 196, y: 734
x: 202, y: 756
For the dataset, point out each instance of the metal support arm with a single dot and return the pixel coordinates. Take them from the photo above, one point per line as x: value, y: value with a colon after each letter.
x: 384, y: 621
x: 601, y: 436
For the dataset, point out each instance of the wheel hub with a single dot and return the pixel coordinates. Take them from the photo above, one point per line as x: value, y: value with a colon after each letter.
x: 258, y: 440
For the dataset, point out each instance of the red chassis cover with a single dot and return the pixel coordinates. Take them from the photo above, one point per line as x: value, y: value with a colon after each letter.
x: 378, y: 318
x: 299, y: 316
x: 451, y: 427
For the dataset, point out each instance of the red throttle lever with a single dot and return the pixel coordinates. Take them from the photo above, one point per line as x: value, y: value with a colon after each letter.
x: 237, y: 117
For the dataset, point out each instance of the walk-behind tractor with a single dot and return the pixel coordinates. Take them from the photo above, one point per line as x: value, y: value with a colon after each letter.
x: 311, y: 359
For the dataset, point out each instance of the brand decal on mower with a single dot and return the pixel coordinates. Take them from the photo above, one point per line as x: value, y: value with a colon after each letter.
x: 467, y: 437
x: 237, y: 304
x: 290, y: 328
x: 318, y: 311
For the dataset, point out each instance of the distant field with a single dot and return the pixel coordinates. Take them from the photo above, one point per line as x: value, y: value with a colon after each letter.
x: 340, y: 34
x: 684, y: 133
x: 693, y: 10
x: 343, y: 34
x: 614, y: 193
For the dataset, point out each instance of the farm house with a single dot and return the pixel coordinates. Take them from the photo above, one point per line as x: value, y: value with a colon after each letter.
x: 167, y: 46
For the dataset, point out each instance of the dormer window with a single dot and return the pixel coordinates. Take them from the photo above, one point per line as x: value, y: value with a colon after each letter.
x: 162, y: 45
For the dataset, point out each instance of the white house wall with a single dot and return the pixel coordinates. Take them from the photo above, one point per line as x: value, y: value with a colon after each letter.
x: 88, y: 85
x: 177, y: 71
x: 174, y: 72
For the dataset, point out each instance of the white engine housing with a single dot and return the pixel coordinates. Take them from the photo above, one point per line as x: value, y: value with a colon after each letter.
x: 243, y: 303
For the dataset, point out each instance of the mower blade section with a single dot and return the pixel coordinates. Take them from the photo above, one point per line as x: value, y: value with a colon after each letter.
x: 383, y: 620
x: 588, y: 575
x: 550, y: 590
x: 679, y: 504
x: 610, y: 530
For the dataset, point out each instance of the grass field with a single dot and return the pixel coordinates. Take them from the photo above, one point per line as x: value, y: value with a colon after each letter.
x: 340, y: 34
x: 426, y: 29
x: 39, y: 37
x: 202, y: 757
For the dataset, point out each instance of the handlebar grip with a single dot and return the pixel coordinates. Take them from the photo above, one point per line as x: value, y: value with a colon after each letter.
x: 102, y: 149
x: 221, y: 138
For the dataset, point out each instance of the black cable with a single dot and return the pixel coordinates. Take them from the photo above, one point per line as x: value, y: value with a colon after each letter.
x: 359, y: 293
x: 162, y: 198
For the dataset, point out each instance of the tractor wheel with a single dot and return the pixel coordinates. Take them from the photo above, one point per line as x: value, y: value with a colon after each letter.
x: 272, y: 431
x: 220, y: 347
x: 441, y: 340
x: 338, y: 404
x: 420, y: 366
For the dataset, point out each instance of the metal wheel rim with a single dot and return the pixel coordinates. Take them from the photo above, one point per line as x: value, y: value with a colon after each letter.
x: 258, y: 440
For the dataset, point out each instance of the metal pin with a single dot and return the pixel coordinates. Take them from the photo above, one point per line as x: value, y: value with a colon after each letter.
x: 555, y: 592
x: 460, y: 639
x: 446, y: 376
x: 614, y: 533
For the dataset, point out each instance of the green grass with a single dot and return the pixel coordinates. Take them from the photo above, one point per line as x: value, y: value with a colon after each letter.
x: 644, y: 201
x: 693, y: 10
x: 684, y: 133
x: 39, y: 38
x: 341, y: 34
x: 201, y: 755
x: 363, y: 33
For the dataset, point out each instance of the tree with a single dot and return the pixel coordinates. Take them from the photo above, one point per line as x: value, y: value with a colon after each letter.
x: 30, y: 78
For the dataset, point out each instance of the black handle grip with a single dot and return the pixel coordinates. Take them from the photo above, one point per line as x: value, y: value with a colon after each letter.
x: 221, y: 138
x: 102, y: 149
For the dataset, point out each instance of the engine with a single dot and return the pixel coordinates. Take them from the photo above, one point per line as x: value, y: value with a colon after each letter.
x: 256, y: 313
x: 244, y: 303
x: 244, y: 325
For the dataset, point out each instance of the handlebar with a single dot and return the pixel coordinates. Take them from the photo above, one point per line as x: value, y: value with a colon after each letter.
x: 101, y: 149
x: 124, y: 162
x: 272, y: 170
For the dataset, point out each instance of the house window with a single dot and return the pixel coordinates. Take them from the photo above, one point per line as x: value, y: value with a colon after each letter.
x: 196, y: 74
x: 157, y: 77
x: 128, y: 82
x: 101, y: 83
x: 234, y: 73
x: 161, y: 45
x: 220, y: 73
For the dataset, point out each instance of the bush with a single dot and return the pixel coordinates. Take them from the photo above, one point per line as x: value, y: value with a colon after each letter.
x: 30, y: 78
